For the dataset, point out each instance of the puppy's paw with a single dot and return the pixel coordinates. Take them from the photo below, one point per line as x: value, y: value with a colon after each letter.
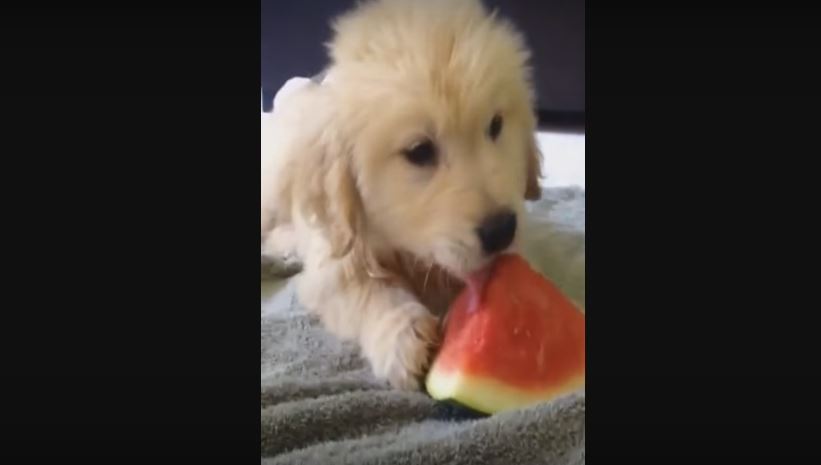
x: 403, y: 352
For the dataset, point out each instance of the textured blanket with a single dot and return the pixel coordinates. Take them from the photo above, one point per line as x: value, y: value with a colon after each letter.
x: 321, y: 405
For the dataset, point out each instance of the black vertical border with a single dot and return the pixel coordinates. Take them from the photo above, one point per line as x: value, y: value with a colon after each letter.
x: 700, y: 245
x: 130, y: 182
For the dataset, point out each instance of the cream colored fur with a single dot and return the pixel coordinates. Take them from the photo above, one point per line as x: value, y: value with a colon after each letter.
x: 385, y: 243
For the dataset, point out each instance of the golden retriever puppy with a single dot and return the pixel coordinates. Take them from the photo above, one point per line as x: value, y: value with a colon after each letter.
x: 402, y: 173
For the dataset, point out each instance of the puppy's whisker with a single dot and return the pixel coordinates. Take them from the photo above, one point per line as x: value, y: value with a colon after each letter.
x: 427, y: 275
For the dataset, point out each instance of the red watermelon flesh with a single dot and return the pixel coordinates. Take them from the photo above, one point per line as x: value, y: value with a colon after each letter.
x: 512, y: 339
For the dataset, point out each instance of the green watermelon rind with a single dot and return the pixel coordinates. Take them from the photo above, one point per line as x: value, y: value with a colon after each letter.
x: 489, y: 396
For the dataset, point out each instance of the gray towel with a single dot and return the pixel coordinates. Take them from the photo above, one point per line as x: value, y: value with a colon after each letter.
x: 322, y: 405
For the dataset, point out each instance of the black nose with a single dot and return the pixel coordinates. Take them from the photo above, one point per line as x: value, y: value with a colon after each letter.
x: 496, y: 231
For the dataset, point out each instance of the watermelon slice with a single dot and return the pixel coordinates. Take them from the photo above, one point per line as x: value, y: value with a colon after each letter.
x: 512, y: 339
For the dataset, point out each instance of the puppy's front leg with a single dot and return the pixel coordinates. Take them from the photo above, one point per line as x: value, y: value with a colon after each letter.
x: 394, y: 330
x: 397, y: 335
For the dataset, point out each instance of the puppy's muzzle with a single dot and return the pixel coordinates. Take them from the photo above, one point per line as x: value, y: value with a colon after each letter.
x: 496, y: 232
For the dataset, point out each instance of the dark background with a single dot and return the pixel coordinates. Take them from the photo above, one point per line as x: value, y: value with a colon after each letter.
x: 294, y: 33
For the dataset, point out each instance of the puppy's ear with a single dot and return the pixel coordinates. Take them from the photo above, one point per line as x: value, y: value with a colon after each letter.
x: 533, y: 190
x: 343, y: 211
x: 329, y: 195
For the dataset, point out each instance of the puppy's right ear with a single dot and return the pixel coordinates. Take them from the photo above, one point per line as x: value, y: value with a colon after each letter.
x: 533, y: 191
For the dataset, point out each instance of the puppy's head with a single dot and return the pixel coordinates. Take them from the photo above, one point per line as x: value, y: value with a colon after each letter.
x: 433, y: 132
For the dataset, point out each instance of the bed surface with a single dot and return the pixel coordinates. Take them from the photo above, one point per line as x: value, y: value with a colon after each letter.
x: 321, y: 405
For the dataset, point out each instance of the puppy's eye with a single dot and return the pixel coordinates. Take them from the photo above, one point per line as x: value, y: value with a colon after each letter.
x: 421, y: 154
x: 495, y: 127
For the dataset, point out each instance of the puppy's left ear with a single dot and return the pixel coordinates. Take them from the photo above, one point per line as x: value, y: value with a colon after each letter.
x: 533, y: 190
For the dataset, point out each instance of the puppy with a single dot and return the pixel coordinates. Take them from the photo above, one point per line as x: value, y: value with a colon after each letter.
x: 402, y: 173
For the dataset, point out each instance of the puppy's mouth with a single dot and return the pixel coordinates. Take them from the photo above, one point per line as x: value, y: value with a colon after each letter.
x: 470, y: 266
x: 465, y: 260
x: 467, y: 271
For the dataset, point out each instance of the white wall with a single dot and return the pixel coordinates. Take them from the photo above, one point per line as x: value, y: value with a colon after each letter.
x: 564, y: 159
